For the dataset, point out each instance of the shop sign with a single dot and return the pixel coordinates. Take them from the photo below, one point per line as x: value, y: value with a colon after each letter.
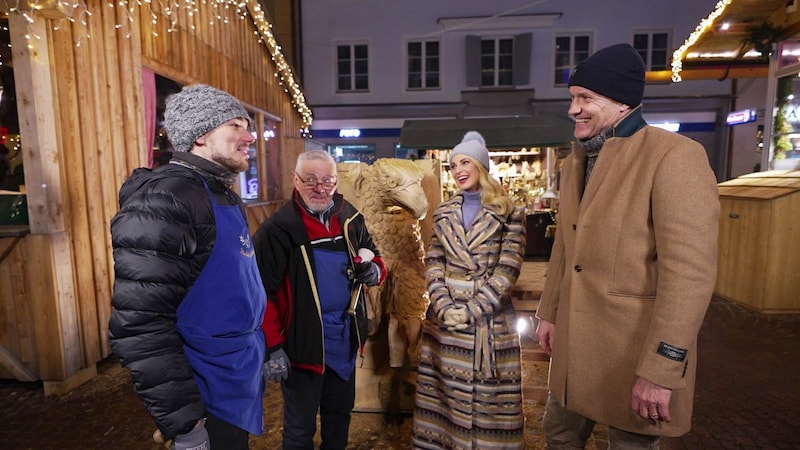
x: 740, y: 117
x: 349, y: 133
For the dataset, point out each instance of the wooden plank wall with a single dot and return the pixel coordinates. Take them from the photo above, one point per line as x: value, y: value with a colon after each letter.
x: 16, y: 313
x: 100, y: 113
x: 99, y: 121
x: 202, y: 49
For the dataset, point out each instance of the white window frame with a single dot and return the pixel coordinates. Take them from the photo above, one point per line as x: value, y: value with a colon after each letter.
x: 573, y: 58
x: 647, y: 54
x: 496, y: 65
x: 352, y: 61
x: 424, y: 71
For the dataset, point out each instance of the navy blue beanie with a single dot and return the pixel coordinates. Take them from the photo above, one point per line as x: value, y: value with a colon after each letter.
x: 616, y: 72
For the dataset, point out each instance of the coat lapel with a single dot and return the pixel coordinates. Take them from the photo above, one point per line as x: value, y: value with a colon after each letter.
x: 605, y: 161
x: 485, y: 225
x: 460, y: 241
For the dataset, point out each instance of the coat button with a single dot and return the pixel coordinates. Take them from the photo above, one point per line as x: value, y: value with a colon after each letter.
x: 578, y: 268
x: 574, y: 227
x: 468, y: 277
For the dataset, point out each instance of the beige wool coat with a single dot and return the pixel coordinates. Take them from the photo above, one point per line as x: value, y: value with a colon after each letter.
x: 633, y: 266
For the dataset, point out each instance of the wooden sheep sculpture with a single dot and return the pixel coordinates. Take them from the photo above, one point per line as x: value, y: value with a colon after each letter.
x: 390, y: 196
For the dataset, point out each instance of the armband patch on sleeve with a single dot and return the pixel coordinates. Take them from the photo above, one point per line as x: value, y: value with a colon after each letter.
x: 671, y: 352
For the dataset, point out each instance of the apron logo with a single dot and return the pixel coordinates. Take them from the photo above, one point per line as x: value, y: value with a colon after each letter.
x: 247, y: 245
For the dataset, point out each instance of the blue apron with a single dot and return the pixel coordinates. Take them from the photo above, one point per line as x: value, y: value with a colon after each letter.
x: 220, y: 322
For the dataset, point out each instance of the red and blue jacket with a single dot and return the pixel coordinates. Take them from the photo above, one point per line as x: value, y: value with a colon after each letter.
x: 283, y: 246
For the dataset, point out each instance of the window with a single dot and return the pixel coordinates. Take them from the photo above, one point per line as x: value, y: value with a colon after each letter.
x: 497, y: 62
x: 423, y: 65
x: 570, y: 51
x: 654, y: 48
x: 352, y: 68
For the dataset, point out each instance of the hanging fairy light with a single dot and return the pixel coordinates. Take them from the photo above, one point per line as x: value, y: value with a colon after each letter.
x: 705, y: 24
x: 76, y: 11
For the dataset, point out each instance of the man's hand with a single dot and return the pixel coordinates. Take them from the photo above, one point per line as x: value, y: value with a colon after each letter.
x: 197, y: 439
x: 277, y: 367
x: 650, y: 400
x: 367, y: 272
x: 456, y: 318
x: 545, y: 331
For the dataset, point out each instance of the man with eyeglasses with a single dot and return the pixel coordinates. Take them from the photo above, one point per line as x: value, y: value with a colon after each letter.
x: 315, y: 255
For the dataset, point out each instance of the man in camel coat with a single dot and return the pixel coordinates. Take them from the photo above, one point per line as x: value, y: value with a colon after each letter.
x: 632, y: 269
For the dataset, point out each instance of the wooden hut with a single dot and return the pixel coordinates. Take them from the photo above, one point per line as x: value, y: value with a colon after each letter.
x: 83, y: 72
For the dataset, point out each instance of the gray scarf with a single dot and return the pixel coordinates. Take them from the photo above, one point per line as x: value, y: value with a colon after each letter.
x: 592, y: 147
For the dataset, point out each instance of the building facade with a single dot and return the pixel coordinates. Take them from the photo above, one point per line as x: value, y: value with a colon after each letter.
x: 369, y: 68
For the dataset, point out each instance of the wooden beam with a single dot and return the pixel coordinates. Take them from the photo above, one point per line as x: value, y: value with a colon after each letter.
x: 52, y: 293
x: 37, y: 117
x: 15, y: 366
x: 714, y: 73
x: 61, y: 387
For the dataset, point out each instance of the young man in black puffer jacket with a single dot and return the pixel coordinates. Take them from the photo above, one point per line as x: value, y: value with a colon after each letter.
x: 188, y: 299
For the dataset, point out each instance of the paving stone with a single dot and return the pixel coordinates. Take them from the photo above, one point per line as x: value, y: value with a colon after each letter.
x: 747, y: 397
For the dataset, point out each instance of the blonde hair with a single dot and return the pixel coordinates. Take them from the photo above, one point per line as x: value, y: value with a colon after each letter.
x: 492, y: 193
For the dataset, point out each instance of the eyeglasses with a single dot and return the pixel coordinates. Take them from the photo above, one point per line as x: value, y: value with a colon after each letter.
x: 312, y: 183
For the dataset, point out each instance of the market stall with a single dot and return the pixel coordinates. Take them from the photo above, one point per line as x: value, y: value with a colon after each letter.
x: 525, y: 157
x: 84, y: 76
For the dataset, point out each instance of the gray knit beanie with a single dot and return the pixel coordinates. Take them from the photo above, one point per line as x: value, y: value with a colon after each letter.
x: 474, y: 146
x: 196, y: 110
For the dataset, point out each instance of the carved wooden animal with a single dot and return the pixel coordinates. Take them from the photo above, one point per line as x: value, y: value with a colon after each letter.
x: 390, y: 196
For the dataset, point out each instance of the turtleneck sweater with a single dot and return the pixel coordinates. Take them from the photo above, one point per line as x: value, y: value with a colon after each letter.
x: 470, y: 207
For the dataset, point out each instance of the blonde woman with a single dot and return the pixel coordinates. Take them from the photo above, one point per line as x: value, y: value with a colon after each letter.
x: 469, y: 392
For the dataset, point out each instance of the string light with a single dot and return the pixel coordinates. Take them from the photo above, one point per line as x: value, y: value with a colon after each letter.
x: 168, y: 9
x: 705, y: 24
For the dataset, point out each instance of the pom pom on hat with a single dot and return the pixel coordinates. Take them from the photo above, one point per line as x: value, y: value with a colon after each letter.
x: 474, y: 146
x: 616, y: 72
x: 196, y: 110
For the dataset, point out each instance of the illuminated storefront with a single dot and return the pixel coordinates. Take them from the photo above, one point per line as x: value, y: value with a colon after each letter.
x: 783, y: 133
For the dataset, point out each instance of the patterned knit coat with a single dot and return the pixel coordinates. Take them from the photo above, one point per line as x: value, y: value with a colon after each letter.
x: 469, y: 384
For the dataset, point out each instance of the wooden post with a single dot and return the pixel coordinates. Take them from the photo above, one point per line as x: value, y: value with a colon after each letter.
x: 58, y: 344
x: 37, y: 119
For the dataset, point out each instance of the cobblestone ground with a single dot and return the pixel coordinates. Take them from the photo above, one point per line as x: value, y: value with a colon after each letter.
x: 748, y: 397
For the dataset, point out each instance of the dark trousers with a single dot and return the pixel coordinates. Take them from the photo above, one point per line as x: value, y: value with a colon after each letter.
x: 221, y: 434
x: 305, y: 392
x: 567, y: 430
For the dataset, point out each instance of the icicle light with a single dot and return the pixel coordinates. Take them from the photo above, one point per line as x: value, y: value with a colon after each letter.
x: 75, y: 11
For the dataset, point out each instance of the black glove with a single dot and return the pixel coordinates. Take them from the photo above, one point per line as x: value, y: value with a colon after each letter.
x: 367, y: 272
x: 277, y: 367
x: 197, y: 439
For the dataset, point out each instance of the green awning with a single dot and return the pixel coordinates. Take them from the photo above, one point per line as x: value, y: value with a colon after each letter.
x: 508, y: 132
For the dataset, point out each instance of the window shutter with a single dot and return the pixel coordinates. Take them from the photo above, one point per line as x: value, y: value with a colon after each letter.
x: 473, y: 60
x: 522, y: 58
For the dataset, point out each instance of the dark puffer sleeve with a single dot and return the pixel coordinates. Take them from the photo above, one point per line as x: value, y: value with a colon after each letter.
x: 157, y: 242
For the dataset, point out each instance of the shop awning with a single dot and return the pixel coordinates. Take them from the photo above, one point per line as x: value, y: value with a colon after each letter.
x: 540, y: 131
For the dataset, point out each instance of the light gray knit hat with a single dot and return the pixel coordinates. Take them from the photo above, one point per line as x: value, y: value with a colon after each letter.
x: 474, y: 146
x: 196, y: 110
